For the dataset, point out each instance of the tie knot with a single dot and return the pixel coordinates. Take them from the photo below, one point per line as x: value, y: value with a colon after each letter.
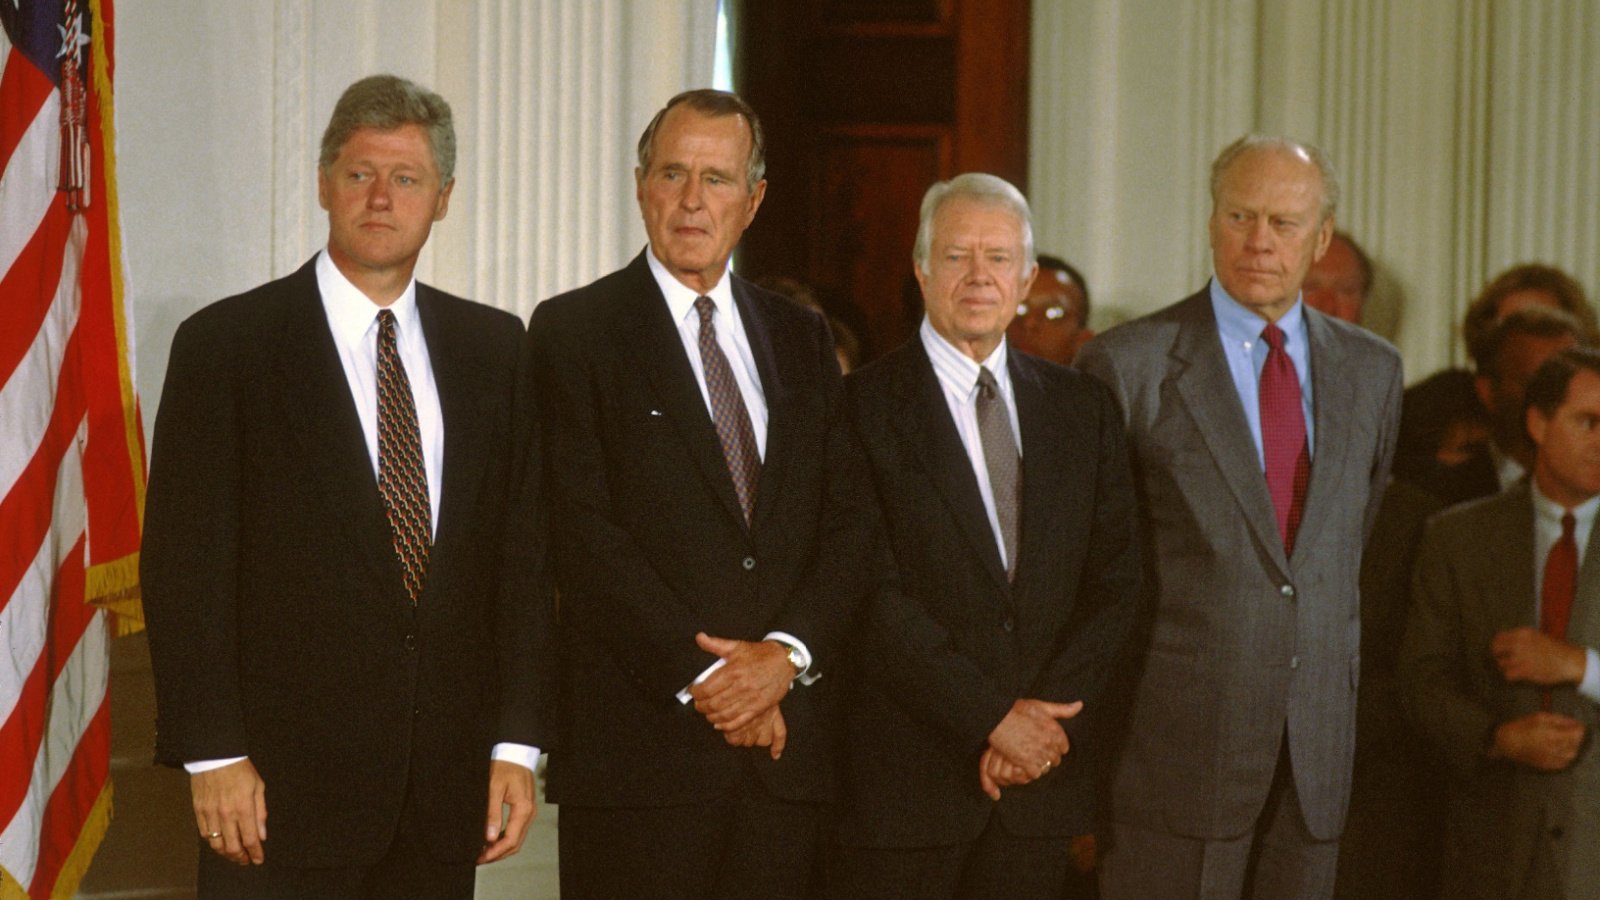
x: 986, y: 383
x: 705, y: 306
x: 1569, y: 525
x: 386, y: 323
x: 1273, y: 335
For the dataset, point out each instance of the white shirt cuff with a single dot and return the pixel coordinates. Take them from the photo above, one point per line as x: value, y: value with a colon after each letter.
x: 684, y: 696
x: 1589, y: 687
x: 206, y: 765
x: 521, y: 754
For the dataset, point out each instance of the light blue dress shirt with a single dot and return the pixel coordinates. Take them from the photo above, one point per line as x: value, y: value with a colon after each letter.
x: 1240, y: 330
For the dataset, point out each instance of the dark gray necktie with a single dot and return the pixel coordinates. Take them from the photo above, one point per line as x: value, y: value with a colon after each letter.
x: 1000, y: 456
x: 728, y: 412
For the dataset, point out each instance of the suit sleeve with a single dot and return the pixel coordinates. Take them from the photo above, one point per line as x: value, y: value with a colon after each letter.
x: 1107, y: 595
x: 524, y: 613
x: 1434, y: 659
x: 822, y: 608
x: 187, y: 561
x: 1387, y: 438
x: 628, y: 606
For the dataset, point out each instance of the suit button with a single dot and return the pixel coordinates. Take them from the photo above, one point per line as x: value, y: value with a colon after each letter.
x: 1286, y: 590
x: 1556, y: 832
x: 749, y: 563
x: 1294, y: 662
x: 411, y: 642
x: 1009, y: 625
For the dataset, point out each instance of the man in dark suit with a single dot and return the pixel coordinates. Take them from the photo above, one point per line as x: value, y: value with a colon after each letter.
x: 712, y: 522
x: 1261, y: 436
x: 1008, y: 504
x: 341, y: 561
x: 1499, y: 669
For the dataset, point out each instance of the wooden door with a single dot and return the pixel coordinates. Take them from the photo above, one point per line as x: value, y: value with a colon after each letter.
x: 865, y: 103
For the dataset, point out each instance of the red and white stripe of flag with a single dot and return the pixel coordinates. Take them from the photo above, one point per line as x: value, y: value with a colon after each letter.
x: 54, y: 721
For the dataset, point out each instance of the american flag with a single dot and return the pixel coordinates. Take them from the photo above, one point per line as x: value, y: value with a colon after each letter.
x: 71, y: 446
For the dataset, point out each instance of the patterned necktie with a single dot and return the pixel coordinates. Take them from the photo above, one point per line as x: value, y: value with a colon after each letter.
x: 1283, y: 437
x: 402, y: 480
x: 728, y: 412
x: 1001, y: 459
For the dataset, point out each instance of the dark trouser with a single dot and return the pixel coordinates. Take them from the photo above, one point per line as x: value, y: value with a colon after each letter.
x: 754, y: 845
x: 407, y: 869
x: 997, y: 865
x: 1277, y: 860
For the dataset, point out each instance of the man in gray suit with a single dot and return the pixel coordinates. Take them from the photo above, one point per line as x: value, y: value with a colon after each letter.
x: 1261, y: 433
x: 1499, y: 669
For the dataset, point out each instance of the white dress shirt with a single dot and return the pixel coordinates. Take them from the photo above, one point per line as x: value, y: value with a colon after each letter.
x: 958, y: 379
x: 353, y: 320
x: 735, y: 345
x: 1547, y: 516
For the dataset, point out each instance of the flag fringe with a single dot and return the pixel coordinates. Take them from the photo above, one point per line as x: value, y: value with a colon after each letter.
x: 94, y: 830
x: 10, y: 889
x: 114, y: 587
x: 108, y: 135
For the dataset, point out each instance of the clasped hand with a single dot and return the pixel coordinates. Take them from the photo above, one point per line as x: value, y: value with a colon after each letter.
x: 741, y: 698
x: 1529, y: 655
x: 1027, y: 743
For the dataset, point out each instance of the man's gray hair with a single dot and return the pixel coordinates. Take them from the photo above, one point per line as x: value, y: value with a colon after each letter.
x: 387, y: 102
x: 714, y: 104
x: 982, y: 188
x: 1330, y: 178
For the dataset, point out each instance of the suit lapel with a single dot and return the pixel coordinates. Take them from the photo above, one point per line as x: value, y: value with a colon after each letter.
x: 645, y: 328
x: 1333, y: 404
x: 1045, y: 444
x: 1584, y: 627
x: 924, y: 420
x: 773, y: 356
x: 328, y: 429
x: 459, y: 381
x: 1201, y: 375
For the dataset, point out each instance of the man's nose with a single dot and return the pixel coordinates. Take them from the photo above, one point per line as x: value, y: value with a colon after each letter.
x: 378, y: 194
x: 1258, y: 236
x: 692, y: 196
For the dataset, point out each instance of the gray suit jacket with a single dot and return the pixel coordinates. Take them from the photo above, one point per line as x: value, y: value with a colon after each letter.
x: 1239, y: 643
x: 1475, y: 578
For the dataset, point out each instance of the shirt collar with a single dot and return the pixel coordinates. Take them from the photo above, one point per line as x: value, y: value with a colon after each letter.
x: 680, y: 297
x: 957, y: 371
x: 1548, y: 510
x: 350, y: 312
x: 1240, y: 325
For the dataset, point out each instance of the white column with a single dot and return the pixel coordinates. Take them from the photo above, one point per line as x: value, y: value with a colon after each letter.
x: 550, y: 97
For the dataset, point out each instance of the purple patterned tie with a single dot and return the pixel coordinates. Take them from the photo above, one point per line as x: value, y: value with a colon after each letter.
x: 1283, y: 436
x: 728, y: 412
x: 402, y: 480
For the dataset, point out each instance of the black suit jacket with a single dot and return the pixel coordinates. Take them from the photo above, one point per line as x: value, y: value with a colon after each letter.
x: 650, y: 544
x: 279, y: 626
x: 949, y: 643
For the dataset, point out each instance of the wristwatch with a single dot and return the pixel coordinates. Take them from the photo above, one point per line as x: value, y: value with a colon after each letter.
x: 795, y: 659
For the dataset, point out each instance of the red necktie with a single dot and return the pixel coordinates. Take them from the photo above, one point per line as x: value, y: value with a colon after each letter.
x: 1560, y: 582
x: 402, y: 480
x: 728, y: 412
x: 1283, y: 436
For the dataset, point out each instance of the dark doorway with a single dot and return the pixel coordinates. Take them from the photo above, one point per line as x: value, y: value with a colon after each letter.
x: 866, y: 103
